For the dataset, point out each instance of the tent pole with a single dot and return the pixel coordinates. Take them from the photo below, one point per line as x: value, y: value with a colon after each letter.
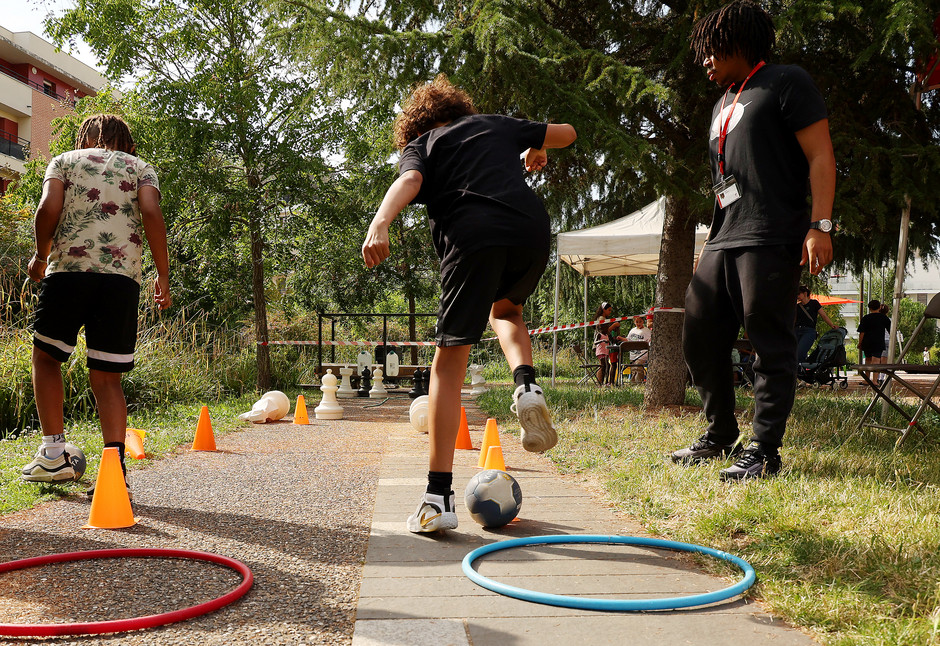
x: 555, y: 319
x: 585, y: 346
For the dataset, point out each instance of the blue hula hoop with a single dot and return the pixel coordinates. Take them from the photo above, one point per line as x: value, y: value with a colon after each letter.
x: 622, y: 605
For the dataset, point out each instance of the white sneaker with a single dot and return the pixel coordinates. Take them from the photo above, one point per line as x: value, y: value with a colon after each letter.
x: 529, y: 405
x: 434, y: 512
x: 43, y: 469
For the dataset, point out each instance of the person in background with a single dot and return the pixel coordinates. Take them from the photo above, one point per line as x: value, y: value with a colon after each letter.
x: 639, y: 333
x: 873, y: 331
x: 807, y: 310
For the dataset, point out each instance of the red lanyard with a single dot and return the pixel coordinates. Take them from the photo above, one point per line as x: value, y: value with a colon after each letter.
x: 723, y: 131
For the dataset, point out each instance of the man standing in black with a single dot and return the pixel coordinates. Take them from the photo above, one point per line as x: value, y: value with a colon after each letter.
x: 769, y: 134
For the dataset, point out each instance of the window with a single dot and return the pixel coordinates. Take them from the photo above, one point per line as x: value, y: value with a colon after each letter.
x: 49, y: 88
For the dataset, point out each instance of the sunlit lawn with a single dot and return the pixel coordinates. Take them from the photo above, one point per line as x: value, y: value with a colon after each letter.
x: 846, y: 541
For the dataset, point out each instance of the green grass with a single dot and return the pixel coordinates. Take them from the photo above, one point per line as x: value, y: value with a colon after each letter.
x: 169, y: 429
x: 846, y: 541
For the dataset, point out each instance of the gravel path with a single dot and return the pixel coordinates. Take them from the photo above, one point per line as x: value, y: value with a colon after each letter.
x: 294, y: 503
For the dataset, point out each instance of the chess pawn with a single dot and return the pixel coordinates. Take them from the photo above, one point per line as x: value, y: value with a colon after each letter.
x: 378, y: 390
x: 329, y: 408
x: 416, y: 390
x: 365, y: 384
x: 477, y: 382
x: 345, y: 387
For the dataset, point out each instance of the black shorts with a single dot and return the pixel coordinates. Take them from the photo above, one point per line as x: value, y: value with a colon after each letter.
x: 105, y: 304
x: 472, y: 283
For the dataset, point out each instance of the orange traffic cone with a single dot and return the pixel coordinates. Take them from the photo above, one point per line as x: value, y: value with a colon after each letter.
x: 494, y: 458
x: 134, y: 443
x: 111, y: 506
x: 490, y: 438
x: 300, y: 411
x: 463, y: 433
x: 204, y: 440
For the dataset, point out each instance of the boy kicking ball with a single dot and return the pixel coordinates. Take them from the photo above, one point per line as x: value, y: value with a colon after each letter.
x: 492, y: 236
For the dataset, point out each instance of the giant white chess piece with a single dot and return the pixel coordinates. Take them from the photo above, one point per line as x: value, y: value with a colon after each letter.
x: 378, y: 390
x: 329, y: 408
x: 477, y: 382
x: 345, y: 388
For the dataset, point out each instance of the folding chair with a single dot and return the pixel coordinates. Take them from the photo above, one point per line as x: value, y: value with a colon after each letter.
x: 890, y: 370
x: 590, y: 369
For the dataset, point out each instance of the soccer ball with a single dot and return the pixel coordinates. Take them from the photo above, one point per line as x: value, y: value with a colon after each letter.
x: 77, y: 460
x: 493, y: 498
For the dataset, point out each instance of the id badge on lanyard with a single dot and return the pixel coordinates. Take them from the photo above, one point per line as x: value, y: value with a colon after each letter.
x: 727, y: 191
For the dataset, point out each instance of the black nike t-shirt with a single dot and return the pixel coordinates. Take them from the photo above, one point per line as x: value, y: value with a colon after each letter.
x: 764, y: 157
x: 474, y: 186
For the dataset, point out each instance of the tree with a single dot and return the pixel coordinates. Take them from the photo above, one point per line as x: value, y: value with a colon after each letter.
x: 621, y: 72
x: 238, y: 133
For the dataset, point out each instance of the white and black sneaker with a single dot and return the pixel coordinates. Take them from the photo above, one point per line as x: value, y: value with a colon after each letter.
x: 529, y: 405
x: 434, y: 512
x: 43, y: 469
x: 754, y: 462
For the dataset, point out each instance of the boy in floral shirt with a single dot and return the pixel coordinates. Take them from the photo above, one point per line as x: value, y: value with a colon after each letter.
x: 97, y: 203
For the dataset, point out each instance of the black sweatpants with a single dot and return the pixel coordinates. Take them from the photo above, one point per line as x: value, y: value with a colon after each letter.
x: 754, y: 287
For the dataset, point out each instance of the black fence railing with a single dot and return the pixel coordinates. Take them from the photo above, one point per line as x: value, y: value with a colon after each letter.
x: 14, y: 146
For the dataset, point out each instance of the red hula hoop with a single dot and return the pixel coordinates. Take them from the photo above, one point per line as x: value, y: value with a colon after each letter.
x: 135, y: 623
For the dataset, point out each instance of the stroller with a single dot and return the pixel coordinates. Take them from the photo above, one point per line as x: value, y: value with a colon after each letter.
x: 826, y: 365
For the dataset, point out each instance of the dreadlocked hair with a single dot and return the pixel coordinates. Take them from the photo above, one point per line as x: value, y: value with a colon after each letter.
x: 105, y: 131
x: 432, y: 103
x: 740, y: 27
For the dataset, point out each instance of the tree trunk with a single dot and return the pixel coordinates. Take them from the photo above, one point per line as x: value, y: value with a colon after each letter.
x: 668, y: 373
x: 263, y: 358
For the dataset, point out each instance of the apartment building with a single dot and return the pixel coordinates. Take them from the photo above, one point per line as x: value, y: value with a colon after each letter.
x: 37, y: 84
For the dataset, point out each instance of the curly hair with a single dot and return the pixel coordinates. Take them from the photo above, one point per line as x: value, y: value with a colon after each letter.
x: 741, y: 27
x: 433, y: 103
x: 105, y: 131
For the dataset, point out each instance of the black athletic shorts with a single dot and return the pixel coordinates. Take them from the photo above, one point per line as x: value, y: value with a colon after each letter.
x: 105, y: 304
x: 472, y: 283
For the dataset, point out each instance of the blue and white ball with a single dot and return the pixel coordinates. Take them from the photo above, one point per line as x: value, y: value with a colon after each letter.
x: 493, y: 498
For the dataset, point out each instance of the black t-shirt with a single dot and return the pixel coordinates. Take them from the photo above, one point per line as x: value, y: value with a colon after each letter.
x: 806, y: 314
x: 474, y: 187
x: 875, y: 326
x: 764, y: 156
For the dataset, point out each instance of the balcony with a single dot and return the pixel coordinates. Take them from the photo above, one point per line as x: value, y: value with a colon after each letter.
x: 45, y: 89
x: 15, y: 147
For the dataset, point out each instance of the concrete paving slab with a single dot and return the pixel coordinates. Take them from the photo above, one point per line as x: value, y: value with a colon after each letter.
x: 413, y: 590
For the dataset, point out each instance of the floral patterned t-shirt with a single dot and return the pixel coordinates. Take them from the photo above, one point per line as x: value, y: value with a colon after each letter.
x: 100, y: 229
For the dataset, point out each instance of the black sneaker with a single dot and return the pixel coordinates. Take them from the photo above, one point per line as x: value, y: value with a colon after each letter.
x: 704, y: 449
x: 753, y: 463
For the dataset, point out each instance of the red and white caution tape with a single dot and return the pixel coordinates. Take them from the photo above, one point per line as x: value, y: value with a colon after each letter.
x: 540, y: 330
x: 352, y: 343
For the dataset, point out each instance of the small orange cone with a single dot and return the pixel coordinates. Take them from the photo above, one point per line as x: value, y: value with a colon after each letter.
x: 204, y: 440
x: 490, y: 438
x: 494, y: 458
x: 134, y: 443
x: 300, y: 411
x: 463, y: 433
x: 111, y: 506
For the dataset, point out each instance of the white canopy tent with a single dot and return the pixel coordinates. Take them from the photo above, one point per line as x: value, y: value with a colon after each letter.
x: 628, y: 246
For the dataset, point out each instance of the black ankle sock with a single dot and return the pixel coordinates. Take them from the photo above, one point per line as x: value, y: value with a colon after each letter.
x: 440, y: 482
x: 120, y: 447
x: 523, y: 375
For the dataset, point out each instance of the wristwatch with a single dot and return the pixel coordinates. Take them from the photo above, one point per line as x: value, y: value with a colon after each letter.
x: 822, y: 225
